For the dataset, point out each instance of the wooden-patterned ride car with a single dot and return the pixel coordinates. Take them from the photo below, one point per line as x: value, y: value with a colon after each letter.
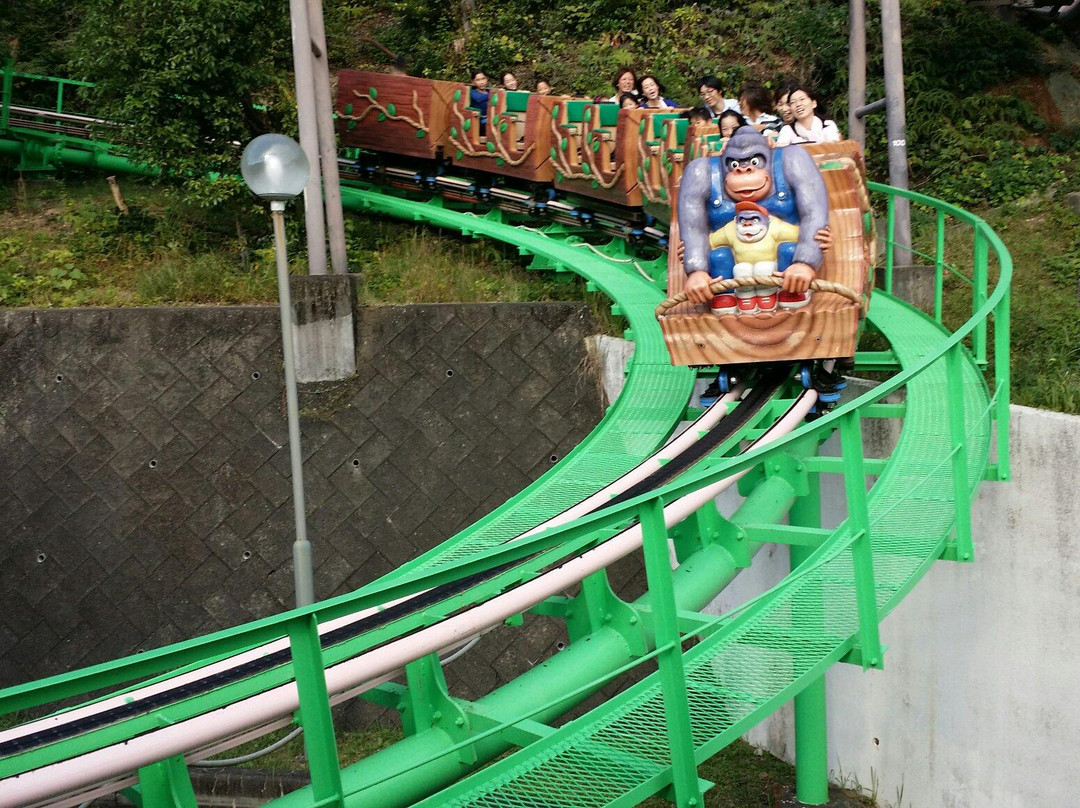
x: 828, y: 327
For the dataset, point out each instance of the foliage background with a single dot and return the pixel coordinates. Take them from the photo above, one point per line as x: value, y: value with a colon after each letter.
x: 192, y: 75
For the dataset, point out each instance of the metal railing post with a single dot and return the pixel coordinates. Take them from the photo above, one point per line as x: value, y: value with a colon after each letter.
x: 890, y: 235
x: 979, y: 294
x: 5, y: 93
x: 1001, y: 383
x: 862, y: 555
x: 654, y: 545
x: 954, y: 369
x: 319, y: 741
x: 939, y: 266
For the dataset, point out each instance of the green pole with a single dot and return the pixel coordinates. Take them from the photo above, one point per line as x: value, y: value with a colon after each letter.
x: 939, y: 266
x: 890, y: 236
x: 980, y: 281
x: 320, y: 743
x: 862, y: 552
x: 811, y: 733
x: 958, y: 433
x: 654, y: 547
x: 1001, y: 377
x: 5, y: 93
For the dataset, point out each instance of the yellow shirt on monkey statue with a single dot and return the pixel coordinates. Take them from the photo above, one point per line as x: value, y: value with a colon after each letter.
x: 753, y: 236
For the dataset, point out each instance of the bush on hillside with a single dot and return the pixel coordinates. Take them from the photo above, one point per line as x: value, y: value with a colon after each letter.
x: 967, y: 141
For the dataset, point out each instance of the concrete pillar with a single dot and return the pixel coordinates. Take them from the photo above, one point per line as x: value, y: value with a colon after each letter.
x: 324, y: 339
x: 914, y: 284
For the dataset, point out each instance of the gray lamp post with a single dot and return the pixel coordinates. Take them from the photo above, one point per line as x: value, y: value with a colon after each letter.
x: 275, y: 169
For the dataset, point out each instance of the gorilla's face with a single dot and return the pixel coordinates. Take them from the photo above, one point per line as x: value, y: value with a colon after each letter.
x: 747, y: 178
x: 750, y: 226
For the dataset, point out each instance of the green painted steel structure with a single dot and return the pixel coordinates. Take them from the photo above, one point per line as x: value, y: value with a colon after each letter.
x: 745, y: 664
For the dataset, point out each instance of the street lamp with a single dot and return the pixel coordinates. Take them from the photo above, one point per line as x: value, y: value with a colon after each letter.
x: 275, y: 169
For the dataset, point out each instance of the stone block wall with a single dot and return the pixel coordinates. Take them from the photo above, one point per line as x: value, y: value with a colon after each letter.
x: 144, y: 471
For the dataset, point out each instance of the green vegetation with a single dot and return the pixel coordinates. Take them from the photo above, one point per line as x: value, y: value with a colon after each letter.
x: 64, y: 244
x: 163, y: 251
x: 403, y: 264
x: 352, y: 746
x: 1041, y: 235
x: 226, y: 76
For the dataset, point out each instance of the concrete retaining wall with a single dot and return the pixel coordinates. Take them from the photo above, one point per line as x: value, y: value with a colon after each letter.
x: 144, y: 472
x: 979, y: 702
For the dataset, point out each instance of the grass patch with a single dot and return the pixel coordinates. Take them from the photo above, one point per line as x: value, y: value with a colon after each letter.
x: 352, y: 746
x: 404, y: 264
x: 63, y: 244
x: 1040, y: 234
x: 205, y: 278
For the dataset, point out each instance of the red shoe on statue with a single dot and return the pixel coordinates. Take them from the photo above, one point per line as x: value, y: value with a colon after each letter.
x: 794, y: 300
x: 748, y: 305
x: 723, y: 304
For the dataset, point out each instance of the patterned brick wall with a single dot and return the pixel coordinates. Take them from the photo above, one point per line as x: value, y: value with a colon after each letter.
x: 145, y: 491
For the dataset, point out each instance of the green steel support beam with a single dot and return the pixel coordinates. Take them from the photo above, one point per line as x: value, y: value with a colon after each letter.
x: 980, y: 277
x: 523, y: 733
x: 164, y: 784
x: 319, y: 741
x: 861, y: 550
x: 388, y: 694
x: 672, y: 676
x: 426, y: 698
x: 793, y: 534
x: 715, y: 529
x: 892, y: 410
x: 965, y: 550
x: 598, y: 606
x: 890, y: 242
x: 694, y: 623
x: 5, y: 93
x: 939, y: 265
x: 811, y: 728
x: 1002, y: 315
x: 877, y: 360
x: 556, y: 606
x: 835, y: 465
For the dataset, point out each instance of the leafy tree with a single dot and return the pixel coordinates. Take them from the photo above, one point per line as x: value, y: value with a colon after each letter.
x: 192, y: 80
x: 36, y: 33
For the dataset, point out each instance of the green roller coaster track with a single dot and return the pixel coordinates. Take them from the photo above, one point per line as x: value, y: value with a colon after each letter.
x: 744, y: 665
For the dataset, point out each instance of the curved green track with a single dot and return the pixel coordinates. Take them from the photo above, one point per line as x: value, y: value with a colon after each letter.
x: 651, y: 404
x: 748, y: 663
